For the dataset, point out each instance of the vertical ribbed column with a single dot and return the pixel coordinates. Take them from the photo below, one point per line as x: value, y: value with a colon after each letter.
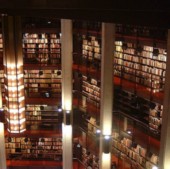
x: 164, y: 161
x: 108, y: 34
x: 13, y: 74
x: 66, y: 52
x: 2, y: 148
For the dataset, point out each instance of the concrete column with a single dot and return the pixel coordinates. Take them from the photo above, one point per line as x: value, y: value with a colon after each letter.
x: 66, y: 51
x: 2, y: 148
x: 164, y: 162
x: 108, y: 34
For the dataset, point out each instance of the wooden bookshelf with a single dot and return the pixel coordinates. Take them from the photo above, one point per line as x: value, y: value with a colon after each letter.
x: 125, y: 147
x: 91, y: 50
x: 146, y: 111
x: 44, y: 48
x: 42, y: 83
x: 44, y: 148
x: 91, y: 90
x: 142, y: 67
x: 43, y: 115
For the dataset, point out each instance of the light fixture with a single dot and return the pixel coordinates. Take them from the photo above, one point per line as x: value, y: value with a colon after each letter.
x: 59, y: 109
x: 47, y: 94
x: 68, y: 117
x: 129, y: 132
x: 98, y: 132
x: 106, y: 143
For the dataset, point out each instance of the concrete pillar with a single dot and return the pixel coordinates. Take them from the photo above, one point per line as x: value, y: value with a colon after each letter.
x: 108, y: 34
x: 66, y: 52
x: 164, y: 162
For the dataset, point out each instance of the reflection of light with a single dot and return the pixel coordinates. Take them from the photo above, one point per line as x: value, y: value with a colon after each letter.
x: 129, y: 132
x: 154, y: 167
x: 106, y: 158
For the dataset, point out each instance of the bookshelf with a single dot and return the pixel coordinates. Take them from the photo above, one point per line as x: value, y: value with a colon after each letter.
x: 91, y: 89
x: 144, y: 67
x: 43, y: 115
x: 44, y: 48
x: 34, y: 148
x: 42, y: 83
x: 135, y: 151
x: 91, y: 50
x: 144, y: 110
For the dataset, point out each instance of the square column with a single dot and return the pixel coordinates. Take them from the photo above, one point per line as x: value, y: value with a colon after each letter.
x: 108, y: 34
x: 66, y: 62
x: 164, y: 162
x: 2, y: 148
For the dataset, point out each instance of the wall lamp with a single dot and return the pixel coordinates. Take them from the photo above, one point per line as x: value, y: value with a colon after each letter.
x: 59, y: 109
x: 98, y: 132
x: 106, y: 143
x: 68, y: 117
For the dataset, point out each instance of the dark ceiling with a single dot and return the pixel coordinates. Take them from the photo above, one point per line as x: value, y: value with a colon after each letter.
x: 143, y: 12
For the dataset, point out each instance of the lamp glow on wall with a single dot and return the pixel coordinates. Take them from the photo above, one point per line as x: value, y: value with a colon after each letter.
x: 15, y: 100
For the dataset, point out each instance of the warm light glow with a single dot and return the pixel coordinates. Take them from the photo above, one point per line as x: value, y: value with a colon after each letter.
x: 67, y: 131
x: 106, y: 137
x: 154, y: 167
x: 98, y: 131
x: 107, y: 128
x: 68, y: 105
x: 106, y: 159
x: 1, y: 129
x: 15, y: 97
x: 68, y: 111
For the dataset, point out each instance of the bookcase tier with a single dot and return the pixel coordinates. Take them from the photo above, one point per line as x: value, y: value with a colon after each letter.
x: 42, y: 48
x: 34, y: 148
